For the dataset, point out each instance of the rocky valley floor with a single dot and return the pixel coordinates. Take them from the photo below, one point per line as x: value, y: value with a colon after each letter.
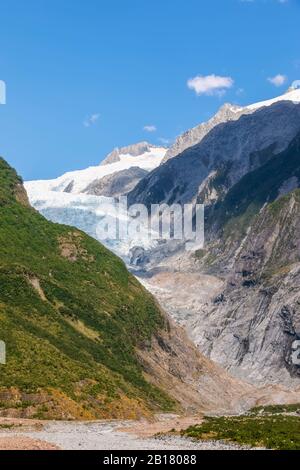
x: 191, y: 298
x: 109, y: 435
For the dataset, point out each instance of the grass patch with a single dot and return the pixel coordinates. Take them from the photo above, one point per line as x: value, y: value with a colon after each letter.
x: 276, y: 409
x: 272, y: 432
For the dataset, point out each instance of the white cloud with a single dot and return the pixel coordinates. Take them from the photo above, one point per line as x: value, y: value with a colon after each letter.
x: 278, y: 80
x: 90, y: 120
x: 150, y: 128
x: 210, y: 84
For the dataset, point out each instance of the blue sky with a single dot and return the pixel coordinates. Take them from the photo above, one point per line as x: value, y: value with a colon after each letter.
x: 84, y: 77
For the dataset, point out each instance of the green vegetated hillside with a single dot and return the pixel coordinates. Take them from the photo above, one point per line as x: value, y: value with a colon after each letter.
x: 71, y: 316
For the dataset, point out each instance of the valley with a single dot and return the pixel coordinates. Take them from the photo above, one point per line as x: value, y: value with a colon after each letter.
x: 111, y: 436
x: 152, y: 328
x: 149, y: 232
x: 238, y: 298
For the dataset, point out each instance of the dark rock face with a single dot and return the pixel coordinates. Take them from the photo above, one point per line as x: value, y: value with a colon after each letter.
x: 183, y: 178
x: 116, y: 184
x: 69, y: 187
x: 138, y: 256
x: 226, y: 113
x: 260, y: 320
x: 250, y: 325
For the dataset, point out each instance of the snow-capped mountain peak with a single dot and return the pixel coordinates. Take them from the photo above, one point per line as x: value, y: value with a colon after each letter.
x: 74, y: 198
x: 293, y: 94
x: 227, y: 112
x: 135, y: 150
x: 143, y: 155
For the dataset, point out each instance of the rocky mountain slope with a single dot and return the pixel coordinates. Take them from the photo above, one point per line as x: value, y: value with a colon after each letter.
x: 207, y: 170
x: 243, y: 310
x: 116, y: 184
x: 84, y: 339
x: 257, y: 311
x: 227, y: 112
x: 256, y: 249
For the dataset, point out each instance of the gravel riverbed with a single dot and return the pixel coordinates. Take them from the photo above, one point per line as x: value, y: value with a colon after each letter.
x: 109, y: 436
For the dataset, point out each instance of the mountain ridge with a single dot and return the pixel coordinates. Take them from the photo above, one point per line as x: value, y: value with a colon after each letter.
x: 134, y: 150
x: 227, y: 112
x: 182, y: 178
x: 77, y: 181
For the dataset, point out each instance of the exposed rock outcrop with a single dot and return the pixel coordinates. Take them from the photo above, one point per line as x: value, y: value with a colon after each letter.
x: 116, y: 184
x: 230, y: 149
x: 133, y: 150
x: 227, y: 112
